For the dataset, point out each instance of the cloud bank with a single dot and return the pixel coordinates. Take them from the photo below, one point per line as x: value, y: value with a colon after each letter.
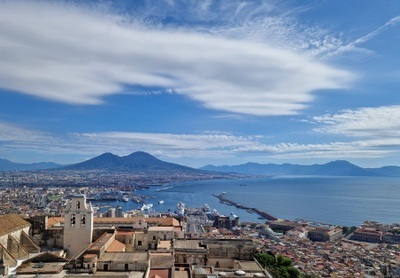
x: 217, y: 146
x: 62, y: 53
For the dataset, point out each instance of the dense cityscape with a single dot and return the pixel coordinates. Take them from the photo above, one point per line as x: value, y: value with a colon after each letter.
x: 315, y: 249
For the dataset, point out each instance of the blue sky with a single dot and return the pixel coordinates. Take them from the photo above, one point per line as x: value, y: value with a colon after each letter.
x: 201, y: 82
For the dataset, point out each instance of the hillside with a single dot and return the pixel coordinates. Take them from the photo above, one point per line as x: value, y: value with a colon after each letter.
x: 6, y: 165
x: 333, y: 168
x: 135, y: 162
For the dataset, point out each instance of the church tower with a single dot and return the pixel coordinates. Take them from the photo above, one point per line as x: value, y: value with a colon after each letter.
x: 78, y: 225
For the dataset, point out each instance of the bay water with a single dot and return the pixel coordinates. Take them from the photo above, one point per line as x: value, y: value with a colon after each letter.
x: 335, y: 200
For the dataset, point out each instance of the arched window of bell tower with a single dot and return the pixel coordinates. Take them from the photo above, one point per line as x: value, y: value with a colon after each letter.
x: 73, y: 220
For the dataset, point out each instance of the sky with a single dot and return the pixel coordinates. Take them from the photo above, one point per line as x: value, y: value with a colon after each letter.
x: 201, y: 82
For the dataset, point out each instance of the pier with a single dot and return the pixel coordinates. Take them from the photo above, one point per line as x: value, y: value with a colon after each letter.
x: 262, y: 213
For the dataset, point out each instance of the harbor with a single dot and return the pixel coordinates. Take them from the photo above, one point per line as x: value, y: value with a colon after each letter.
x: 263, y: 214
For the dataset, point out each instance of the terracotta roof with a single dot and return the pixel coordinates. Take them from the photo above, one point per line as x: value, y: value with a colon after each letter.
x: 114, y: 220
x: 163, y: 221
x: 54, y: 220
x: 89, y: 256
x: 12, y: 222
x: 159, y: 273
x: 116, y: 246
x: 129, y: 233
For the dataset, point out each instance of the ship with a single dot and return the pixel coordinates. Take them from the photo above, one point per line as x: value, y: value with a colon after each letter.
x: 206, y: 208
x: 146, y: 207
x: 180, y: 208
x: 125, y: 199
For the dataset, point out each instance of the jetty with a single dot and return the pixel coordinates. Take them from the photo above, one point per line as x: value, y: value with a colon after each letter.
x: 260, y: 212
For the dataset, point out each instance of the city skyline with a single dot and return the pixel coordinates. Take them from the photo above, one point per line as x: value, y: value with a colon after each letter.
x: 200, y: 82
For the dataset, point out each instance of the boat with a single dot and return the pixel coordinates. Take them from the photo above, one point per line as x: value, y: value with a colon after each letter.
x: 161, y: 202
x: 181, y: 208
x: 206, y: 208
x: 146, y: 207
x: 125, y: 199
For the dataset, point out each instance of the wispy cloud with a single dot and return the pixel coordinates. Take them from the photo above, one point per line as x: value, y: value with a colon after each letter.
x: 369, y: 122
x: 354, y: 45
x: 208, y: 146
x: 68, y: 54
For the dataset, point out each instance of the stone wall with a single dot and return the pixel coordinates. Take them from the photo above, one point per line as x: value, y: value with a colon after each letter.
x: 231, y: 249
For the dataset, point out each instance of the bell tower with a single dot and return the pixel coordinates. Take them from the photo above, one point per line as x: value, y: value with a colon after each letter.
x: 78, y: 225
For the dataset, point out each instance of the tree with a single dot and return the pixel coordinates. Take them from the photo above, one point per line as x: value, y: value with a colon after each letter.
x: 279, y: 266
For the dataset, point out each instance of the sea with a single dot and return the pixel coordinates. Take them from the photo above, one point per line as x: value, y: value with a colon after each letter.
x: 347, y: 201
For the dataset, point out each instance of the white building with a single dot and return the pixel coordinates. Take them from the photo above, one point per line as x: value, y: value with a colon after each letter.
x: 78, y: 226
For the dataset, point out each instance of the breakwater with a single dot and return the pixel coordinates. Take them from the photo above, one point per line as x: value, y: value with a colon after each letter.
x: 262, y: 213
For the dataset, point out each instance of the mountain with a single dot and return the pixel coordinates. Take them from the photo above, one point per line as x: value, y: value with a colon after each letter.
x: 6, y: 165
x: 333, y: 168
x: 135, y: 162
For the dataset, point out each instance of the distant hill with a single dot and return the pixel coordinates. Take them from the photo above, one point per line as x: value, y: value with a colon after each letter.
x: 6, y: 165
x: 334, y: 168
x: 135, y: 162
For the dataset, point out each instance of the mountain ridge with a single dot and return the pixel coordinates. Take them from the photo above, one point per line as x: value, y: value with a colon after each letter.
x: 135, y: 162
x: 332, y: 168
x: 7, y: 165
x: 140, y: 161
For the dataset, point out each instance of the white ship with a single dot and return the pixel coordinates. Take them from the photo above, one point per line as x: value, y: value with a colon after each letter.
x: 181, y: 208
x: 206, y: 208
x: 125, y: 199
x: 146, y: 207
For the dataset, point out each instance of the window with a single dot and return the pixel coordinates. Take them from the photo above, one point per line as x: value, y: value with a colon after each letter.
x: 73, y: 221
x: 83, y: 219
x: 139, y: 243
x: 154, y: 237
x: 78, y: 205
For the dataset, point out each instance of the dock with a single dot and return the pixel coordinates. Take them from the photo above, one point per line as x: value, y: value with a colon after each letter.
x: 262, y: 213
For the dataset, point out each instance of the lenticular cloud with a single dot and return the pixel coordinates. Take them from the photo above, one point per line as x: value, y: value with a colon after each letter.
x: 68, y: 54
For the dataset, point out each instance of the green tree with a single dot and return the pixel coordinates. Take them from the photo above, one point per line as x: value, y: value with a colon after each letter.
x: 266, y: 260
x: 279, y: 266
x: 283, y: 261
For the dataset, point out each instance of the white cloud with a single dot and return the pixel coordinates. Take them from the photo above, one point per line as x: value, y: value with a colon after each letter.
x: 369, y: 122
x: 208, y: 147
x: 355, y: 45
x: 12, y: 133
x: 72, y: 55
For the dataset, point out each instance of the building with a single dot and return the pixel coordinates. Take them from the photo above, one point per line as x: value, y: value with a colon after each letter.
x: 78, y: 225
x: 226, y: 222
x: 283, y: 225
x: 368, y: 235
x: 15, y: 242
x: 325, y: 234
x: 118, y: 212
